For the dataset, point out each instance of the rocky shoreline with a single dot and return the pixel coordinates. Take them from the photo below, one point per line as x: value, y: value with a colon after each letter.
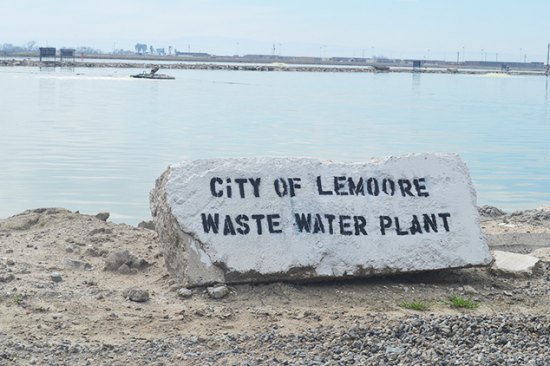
x: 79, y: 290
x: 260, y: 67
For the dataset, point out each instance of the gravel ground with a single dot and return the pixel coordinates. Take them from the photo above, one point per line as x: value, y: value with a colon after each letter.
x: 504, y: 339
x: 76, y: 290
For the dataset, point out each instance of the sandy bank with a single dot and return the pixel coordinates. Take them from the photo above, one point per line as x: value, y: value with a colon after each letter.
x: 62, y: 304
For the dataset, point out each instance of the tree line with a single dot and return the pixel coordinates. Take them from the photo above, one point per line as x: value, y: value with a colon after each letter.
x: 143, y: 48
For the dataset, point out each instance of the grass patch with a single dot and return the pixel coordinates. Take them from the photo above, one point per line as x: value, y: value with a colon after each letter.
x: 40, y: 309
x: 462, y: 303
x: 17, y: 299
x: 414, y: 305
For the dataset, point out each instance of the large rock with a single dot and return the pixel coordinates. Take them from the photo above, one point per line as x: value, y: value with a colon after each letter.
x: 261, y: 219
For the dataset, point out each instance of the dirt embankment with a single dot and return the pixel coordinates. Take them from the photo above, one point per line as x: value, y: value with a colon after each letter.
x: 77, y: 290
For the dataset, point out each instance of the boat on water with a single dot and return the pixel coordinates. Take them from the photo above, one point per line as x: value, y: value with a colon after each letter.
x: 153, y: 75
x: 145, y: 75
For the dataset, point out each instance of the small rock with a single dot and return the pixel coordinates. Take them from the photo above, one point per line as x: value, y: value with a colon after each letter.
x: 218, y: 292
x: 75, y: 264
x: 10, y: 262
x: 103, y: 216
x: 139, y: 263
x: 8, y: 251
x: 135, y: 294
x: 394, y: 350
x: 491, y: 211
x: 100, y: 230
x: 6, y: 277
x: 92, y: 252
x: 470, y: 290
x: 124, y: 269
x: 513, y: 264
x: 56, y: 277
x: 150, y: 225
x: 116, y: 259
x: 185, y: 293
x: 542, y: 253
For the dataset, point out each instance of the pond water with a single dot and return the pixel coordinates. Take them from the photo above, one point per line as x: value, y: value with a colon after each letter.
x: 95, y: 139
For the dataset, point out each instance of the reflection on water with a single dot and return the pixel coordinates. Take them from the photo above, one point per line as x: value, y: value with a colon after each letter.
x: 95, y: 139
x: 415, y: 82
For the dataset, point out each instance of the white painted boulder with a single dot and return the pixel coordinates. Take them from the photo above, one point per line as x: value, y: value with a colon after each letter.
x: 264, y: 219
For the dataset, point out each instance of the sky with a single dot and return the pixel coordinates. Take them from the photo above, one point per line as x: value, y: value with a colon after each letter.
x: 504, y: 30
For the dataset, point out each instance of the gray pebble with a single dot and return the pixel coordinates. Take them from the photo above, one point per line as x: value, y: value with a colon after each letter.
x: 124, y: 269
x: 92, y: 252
x: 218, y: 292
x: 136, y: 294
x: 185, y: 292
x: 56, y: 277
x: 75, y: 264
x: 150, y: 225
x: 103, y: 216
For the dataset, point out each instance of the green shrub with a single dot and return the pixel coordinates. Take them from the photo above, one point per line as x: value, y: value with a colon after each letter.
x: 462, y: 303
x: 414, y: 305
x: 17, y: 299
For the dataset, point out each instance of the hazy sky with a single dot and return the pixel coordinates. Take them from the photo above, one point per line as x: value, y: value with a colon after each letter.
x: 436, y: 29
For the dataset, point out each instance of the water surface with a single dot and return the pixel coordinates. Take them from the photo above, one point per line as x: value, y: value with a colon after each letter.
x: 95, y: 140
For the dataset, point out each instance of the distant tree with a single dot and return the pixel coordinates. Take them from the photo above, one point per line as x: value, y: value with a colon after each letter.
x: 10, y: 48
x: 151, y: 49
x: 30, y: 45
x: 140, y: 47
x: 121, y: 51
x: 7, y: 47
x: 169, y: 50
x: 87, y: 50
x: 161, y: 52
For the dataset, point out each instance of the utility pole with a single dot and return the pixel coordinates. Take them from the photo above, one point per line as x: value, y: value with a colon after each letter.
x: 547, y: 61
x: 457, y: 57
